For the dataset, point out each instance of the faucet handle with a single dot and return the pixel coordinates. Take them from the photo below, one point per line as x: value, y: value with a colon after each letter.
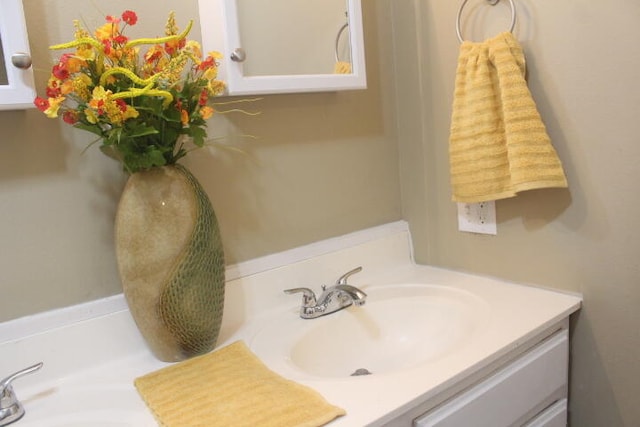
x: 10, y: 408
x: 342, y: 280
x: 308, y: 296
x: 6, y: 383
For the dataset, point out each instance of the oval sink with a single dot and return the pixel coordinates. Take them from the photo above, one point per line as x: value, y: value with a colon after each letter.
x: 399, y: 327
x: 99, y: 405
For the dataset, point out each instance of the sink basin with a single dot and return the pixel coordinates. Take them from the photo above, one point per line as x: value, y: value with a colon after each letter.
x: 399, y: 327
x: 100, y: 405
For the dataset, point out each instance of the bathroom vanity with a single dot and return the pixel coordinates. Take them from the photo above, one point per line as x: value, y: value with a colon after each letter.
x: 439, y: 347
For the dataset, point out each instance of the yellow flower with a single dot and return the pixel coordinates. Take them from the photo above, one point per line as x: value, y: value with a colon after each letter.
x: 171, y: 28
x: 81, y: 86
x: 210, y: 73
x: 86, y: 52
x: 80, y: 33
x: 194, y: 47
x: 91, y: 116
x: 216, y: 87
x: 107, y: 31
x: 184, y: 117
x: 98, y: 94
x: 54, y: 106
x: 130, y: 113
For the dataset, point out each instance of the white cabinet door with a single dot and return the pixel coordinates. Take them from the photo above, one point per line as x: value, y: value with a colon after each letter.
x: 522, y: 388
x: 16, y: 84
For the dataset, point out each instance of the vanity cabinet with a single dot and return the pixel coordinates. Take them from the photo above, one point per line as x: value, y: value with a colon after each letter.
x: 517, y: 394
x: 527, y: 387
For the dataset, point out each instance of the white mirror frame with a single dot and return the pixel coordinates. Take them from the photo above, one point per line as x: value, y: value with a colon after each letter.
x: 20, y: 92
x: 220, y: 32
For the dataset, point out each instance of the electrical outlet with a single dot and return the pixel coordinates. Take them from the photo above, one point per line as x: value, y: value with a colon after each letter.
x: 478, y: 217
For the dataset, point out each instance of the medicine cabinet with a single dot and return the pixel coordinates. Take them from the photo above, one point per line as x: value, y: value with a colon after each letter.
x: 286, y: 46
x: 16, y: 76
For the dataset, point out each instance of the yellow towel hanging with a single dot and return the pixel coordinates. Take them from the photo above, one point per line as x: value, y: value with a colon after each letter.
x: 498, y: 145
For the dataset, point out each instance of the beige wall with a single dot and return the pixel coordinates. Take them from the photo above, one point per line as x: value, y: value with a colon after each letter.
x: 322, y: 165
x: 326, y: 164
x: 583, y: 60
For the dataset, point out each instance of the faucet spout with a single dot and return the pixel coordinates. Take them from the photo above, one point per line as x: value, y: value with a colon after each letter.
x: 357, y: 296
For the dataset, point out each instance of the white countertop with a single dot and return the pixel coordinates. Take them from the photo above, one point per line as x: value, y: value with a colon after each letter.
x: 91, y: 355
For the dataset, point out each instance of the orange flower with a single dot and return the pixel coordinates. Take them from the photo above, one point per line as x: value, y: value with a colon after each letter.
x: 184, y: 117
x: 206, y: 112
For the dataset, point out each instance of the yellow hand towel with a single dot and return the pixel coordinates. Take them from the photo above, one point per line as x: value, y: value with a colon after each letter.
x: 342, y: 67
x: 498, y: 144
x: 231, y: 387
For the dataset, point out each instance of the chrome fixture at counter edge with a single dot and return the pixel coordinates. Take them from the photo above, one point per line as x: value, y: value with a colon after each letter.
x: 332, y: 299
x: 11, y: 409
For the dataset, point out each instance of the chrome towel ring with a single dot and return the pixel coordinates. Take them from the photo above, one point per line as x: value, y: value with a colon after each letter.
x: 340, y: 31
x: 492, y: 3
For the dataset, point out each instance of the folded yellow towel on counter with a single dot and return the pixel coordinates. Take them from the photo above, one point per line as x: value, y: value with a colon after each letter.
x: 231, y: 387
x: 498, y: 145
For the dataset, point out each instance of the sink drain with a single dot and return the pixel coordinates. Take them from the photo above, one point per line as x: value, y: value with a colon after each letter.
x: 361, y: 371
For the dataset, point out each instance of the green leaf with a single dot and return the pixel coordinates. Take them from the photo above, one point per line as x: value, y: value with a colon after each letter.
x: 198, y: 134
x: 95, y: 129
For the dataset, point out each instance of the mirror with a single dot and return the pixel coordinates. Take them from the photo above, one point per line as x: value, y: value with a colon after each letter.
x: 4, y: 80
x: 16, y: 76
x: 285, y: 46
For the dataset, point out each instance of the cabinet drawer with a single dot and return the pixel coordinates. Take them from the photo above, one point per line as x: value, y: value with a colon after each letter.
x: 512, y: 394
x: 554, y: 416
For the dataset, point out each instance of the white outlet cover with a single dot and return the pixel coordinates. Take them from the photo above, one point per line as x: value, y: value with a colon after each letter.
x: 478, y: 217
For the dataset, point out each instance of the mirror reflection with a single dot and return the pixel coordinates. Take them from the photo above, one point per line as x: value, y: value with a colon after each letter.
x: 4, y: 80
x: 281, y: 38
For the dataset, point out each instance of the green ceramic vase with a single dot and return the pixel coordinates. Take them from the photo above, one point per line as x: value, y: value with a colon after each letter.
x: 171, y: 262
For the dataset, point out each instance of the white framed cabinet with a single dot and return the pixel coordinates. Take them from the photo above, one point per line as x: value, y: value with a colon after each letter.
x: 527, y: 386
x: 16, y: 75
x: 530, y: 390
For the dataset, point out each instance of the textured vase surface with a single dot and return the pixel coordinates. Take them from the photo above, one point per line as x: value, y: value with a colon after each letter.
x: 171, y: 262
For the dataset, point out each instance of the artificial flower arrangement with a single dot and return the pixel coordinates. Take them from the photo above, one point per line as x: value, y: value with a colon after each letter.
x: 140, y: 105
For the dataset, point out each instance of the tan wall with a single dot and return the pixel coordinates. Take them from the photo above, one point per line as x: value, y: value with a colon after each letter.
x: 326, y: 164
x: 582, y: 58
x: 322, y: 165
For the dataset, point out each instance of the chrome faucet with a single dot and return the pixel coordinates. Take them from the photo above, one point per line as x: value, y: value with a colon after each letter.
x: 11, y: 409
x: 334, y: 298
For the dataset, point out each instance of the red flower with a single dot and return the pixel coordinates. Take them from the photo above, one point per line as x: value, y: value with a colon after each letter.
x: 112, y: 19
x: 207, y: 63
x: 53, y: 91
x: 122, y: 105
x: 120, y: 39
x: 204, y: 96
x: 70, y: 117
x: 129, y: 17
x: 41, y: 103
x: 107, y: 46
x: 60, y: 71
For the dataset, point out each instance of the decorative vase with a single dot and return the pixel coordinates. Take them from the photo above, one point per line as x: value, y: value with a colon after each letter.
x: 171, y: 262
